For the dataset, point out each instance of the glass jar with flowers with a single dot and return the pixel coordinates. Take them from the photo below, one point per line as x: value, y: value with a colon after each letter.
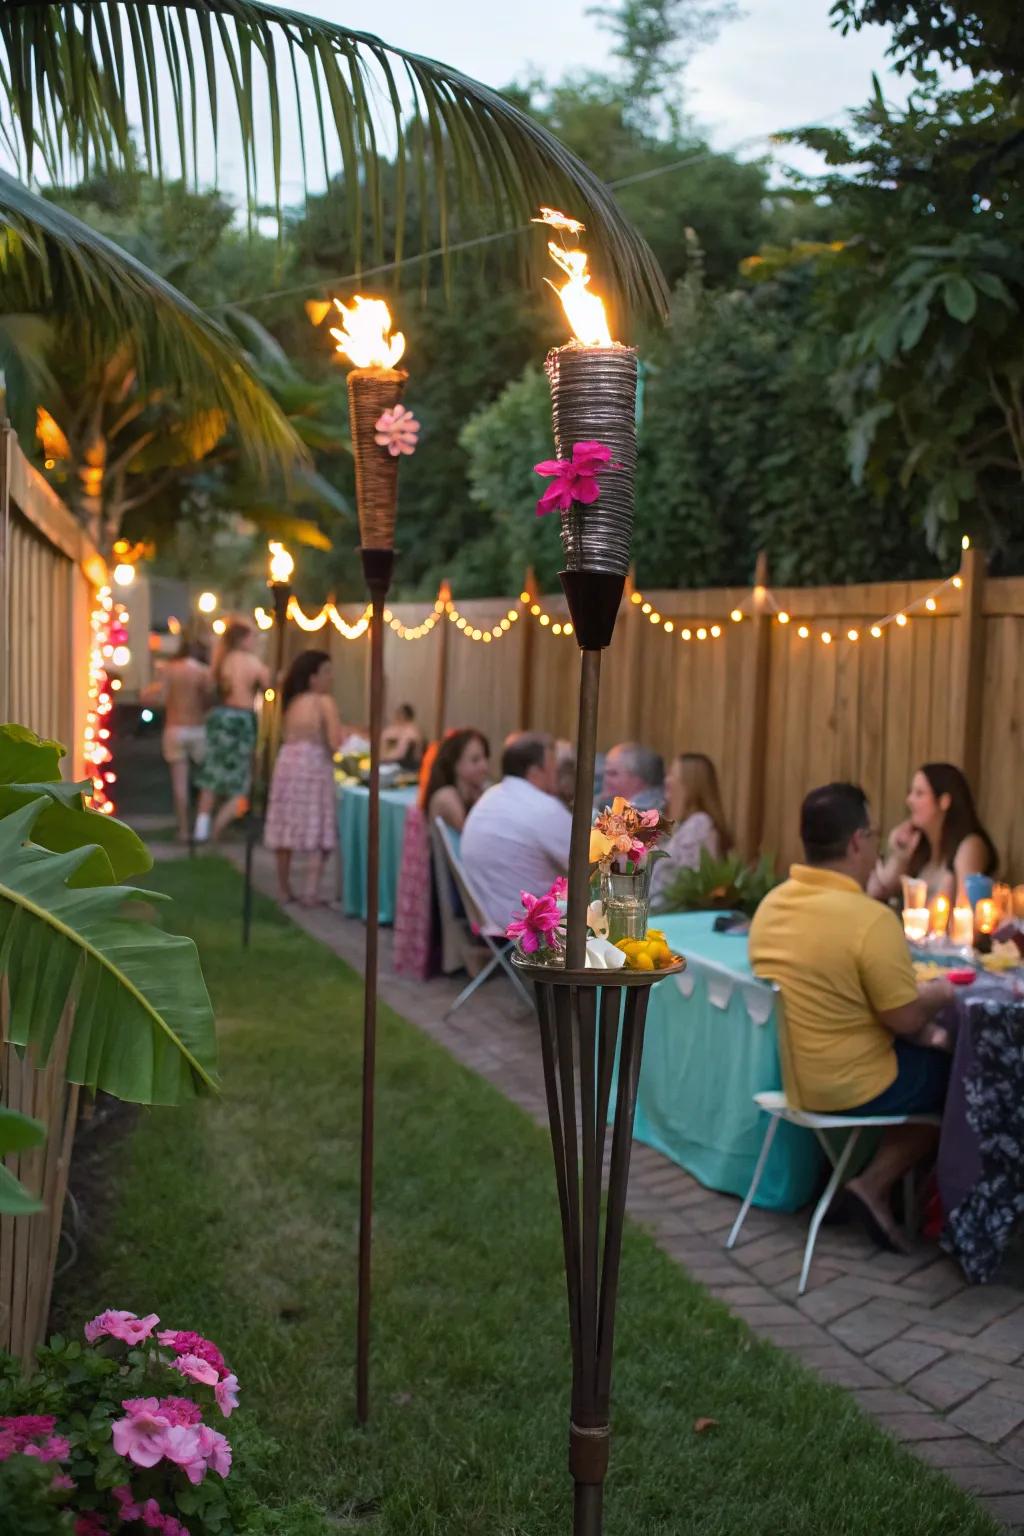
x: 622, y: 845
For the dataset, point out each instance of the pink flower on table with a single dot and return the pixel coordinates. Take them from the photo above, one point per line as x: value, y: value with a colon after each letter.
x: 226, y: 1393
x: 197, y: 1369
x: 396, y: 430
x: 559, y: 889
x: 121, y: 1325
x: 187, y: 1343
x: 180, y: 1410
x: 573, y: 479
x: 535, y: 929
x: 139, y: 1436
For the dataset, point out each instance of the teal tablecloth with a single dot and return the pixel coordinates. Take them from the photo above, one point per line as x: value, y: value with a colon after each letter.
x: 709, y: 1046
x: 353, y: 840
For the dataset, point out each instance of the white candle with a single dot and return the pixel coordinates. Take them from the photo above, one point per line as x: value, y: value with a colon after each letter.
x: 915, y: 923
x: 962, y: 930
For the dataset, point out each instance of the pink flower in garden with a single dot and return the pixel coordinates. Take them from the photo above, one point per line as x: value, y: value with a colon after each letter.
x: 197, y: 1369
x: 187, y: 1343
x: 128, y: 1510
x: 396, y: 430
x: 90, y: 1524
x: 121, y: 1325
x: 63, y: 1484
x: 139, y: 1436
x: 22, y: 1428
x: 54, y: 1448
x: 216, y: 1450
x: 180, y: 1410
x: 181, y: 1444
x: 226, y: 1393
x: 535, y: 929
x: 154, y: 1518
x: 573, y: 479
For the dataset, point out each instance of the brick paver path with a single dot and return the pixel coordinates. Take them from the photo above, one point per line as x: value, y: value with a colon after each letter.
x: 939, y: 1364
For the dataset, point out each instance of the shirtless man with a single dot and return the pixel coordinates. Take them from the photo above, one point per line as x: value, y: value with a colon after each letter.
x: 184, y: 688
x: 226, y: 773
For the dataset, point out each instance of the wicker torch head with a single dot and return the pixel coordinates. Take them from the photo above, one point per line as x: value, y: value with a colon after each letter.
x: 593, y: 399
x: 371, y: 391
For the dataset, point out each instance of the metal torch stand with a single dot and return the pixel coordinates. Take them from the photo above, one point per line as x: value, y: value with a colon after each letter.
x: 378, y: 565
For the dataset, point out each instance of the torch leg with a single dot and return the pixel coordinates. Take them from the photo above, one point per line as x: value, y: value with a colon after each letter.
x: 378, y: 591
x: 582, y: 813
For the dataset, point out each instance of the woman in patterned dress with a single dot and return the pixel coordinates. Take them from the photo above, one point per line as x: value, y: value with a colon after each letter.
x: 301, y: 816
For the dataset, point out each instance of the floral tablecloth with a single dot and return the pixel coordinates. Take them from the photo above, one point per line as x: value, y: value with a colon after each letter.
x: 981, y: 1153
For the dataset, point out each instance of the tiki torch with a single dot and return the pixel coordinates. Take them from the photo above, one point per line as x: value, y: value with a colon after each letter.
x: 376, y: 418
x: 582, y: 1021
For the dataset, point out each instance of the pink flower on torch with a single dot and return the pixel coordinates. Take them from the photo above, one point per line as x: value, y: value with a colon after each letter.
x: 573, y: 479
x: 536, y: 928
x: 397, y: 430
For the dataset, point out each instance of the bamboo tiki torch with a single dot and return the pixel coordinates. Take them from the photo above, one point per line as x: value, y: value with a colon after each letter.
x: 375, y: 387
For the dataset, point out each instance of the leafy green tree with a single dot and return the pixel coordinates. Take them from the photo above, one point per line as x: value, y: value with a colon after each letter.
x: 986, y: 36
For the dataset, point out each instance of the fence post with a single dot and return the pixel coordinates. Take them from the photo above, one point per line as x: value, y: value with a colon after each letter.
x: 441, y: 682
x: 526, y: 656
x: 753, y: 724
x: 969, y: 666
x: 6, y: 437
x: 631, y: 665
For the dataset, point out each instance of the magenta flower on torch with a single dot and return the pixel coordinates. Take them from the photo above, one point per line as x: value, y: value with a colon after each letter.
x: 573, y: 479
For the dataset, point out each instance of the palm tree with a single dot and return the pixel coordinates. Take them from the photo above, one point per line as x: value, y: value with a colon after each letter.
x: 437, y: 138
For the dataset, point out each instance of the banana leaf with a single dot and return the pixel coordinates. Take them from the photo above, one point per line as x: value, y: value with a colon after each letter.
x: 30, y: 771
x: 142, y: 1025
x: 17, y: 1132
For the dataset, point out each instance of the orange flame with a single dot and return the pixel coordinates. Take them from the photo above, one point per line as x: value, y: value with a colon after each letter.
x: 584, y: 310
x: 556, y: 220
x: 363, y: 336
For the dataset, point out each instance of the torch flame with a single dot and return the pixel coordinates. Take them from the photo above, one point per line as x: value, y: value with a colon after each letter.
x: 584, y: 311
x: 363, y: 336
x: 281, y: 562
x: 558, y: 220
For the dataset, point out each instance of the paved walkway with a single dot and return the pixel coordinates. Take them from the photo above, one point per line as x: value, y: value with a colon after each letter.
x: 939, y: 1364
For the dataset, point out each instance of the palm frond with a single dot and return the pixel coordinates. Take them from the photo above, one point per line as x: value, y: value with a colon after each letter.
x: 68, y: 72
x: 59, y: 264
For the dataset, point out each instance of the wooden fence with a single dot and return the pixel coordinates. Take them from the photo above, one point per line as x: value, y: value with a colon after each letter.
x: 47, y: 569
x: 776, y: 712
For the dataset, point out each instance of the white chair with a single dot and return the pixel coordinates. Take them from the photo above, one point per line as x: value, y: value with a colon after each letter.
x: 492, y: 934
x: 779, y: 1104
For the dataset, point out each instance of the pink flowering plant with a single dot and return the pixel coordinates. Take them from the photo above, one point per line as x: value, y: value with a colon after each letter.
x: 540, y: 931
x: 124, y: 1432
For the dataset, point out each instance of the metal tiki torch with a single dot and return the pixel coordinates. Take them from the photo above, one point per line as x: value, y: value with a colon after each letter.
x: 374, y: 387
x: 593, y: 398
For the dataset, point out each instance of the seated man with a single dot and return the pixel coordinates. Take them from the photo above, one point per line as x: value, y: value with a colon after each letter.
x: 636, y: 773
x: 516, y: 836
x: 858, y: 1027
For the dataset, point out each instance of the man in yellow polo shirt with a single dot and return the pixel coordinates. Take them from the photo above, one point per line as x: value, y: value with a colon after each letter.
x: 859, y: 1030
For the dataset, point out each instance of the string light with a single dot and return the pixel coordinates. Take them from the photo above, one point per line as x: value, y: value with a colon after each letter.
x: 737, y: 615
x: 782, y: 616
x: 876, y: 632
x: 902, y: 620
x: 107, y: 635
x: 930, y: 604
x: 803, y: 631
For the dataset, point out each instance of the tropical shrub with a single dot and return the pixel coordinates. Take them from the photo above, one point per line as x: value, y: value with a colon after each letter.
x: 726, y: 885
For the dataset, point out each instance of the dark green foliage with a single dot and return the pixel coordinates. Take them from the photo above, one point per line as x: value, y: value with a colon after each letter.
x: 727, y: 885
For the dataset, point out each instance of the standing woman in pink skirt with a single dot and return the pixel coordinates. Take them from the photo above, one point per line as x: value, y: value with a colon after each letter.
x: 301, y: 816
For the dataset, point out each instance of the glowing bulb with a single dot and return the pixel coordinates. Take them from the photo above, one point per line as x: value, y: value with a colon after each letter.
x: 876, y: 632
x: 363, y: 336
x: 218, y: 626
x: 524, y: 597
x: 566, y: 629
x: 702, y: 634
x: 686, y: 634
x: 716, y: 630
x: 669, y: 626
x: 206, y: 602
x: 535, y: 609
x: 965, y: 542
x: 783, y: 617
x: 736, y: 616
x: 958, y: 582
x: 803, y: 631
x: 826, y: 637
x: 121, y: 656
x: 115, y: 684
x: 486, y: 637
x: 556, y: 629
x: 173, y: 625
x: 852, y: 634
x: 544, y: 619
x: 146, y: 716
x: 460, y: 623
x: 478, y: 634
x: 637, y: 597
x: 901, y: 620
x: 655, y: 618
x: 930, y: 604
x: 646, y: 608
x: 269, y: 695
x: 124, y: 575
x: 281, y: 563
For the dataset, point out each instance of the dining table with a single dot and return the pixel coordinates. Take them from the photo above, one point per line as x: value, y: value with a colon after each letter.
x: 353, y: 843
x: 709, y: 1045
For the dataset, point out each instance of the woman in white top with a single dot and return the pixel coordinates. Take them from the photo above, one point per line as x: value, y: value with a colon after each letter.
x: 694, y: 803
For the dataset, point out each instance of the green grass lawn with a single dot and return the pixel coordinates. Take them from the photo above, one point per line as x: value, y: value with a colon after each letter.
x: 238, y: 1218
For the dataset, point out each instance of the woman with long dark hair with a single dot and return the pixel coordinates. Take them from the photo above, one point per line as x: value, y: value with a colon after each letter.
x: 226, y: 771
x: 454, y: 775
x: 301, y: 815
x: 941, y: 842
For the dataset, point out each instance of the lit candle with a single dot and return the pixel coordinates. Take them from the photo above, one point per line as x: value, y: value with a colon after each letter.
x: 939, y: 913
x: 915, y: 924
x: 915, y: 892
x: 986, y: 915
x: 962, y: 931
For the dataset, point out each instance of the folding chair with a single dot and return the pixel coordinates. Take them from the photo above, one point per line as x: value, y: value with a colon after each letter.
x: 480, y: 924
x: 779, y: 1105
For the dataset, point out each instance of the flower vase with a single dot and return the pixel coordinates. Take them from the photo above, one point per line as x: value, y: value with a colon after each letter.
x: 627, y: 902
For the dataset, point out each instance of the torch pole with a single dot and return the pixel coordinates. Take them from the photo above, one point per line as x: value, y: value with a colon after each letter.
x: 582, y: 813
x: 377, y: 568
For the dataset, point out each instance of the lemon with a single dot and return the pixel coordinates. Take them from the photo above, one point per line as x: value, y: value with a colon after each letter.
x: 643, y: 962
